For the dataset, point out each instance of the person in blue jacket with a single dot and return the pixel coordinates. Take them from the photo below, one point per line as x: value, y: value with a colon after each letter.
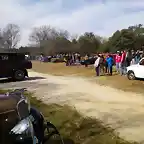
x: 110, y: 62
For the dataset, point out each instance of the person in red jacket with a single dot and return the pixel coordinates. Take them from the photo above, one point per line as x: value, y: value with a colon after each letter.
x: 122, y: 63
x: 117, y: 61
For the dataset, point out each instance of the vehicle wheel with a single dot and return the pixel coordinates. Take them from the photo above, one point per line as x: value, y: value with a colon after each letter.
x: 19, y: 75
x: 131, y: 75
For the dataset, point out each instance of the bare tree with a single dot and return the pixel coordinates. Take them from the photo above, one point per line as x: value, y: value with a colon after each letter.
x: 1, y: 40
x: 62, y: 34
x: 11, y: 36
x: 45, y: 33
x: 74, y: 36
x: 41, y: 33
x: 48, y: 37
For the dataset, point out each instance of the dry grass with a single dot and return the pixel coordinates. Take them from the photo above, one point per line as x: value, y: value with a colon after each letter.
x: 121, y: 82
x: 116, y: 81
x: 74, y: 127
x: 60, y: 69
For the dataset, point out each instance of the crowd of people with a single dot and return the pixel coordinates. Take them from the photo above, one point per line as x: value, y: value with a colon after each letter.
x: 104, y: 63
x: 71, y: 59
x: 122, y: 59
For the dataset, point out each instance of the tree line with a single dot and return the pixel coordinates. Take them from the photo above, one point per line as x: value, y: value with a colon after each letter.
x: 50, y: 40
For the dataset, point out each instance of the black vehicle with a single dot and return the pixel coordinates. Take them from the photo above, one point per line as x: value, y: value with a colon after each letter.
x: 22, y: 124
x: 14, y: 65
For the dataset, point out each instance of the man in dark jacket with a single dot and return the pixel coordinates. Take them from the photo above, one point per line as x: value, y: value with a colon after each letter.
x: 128, y: 58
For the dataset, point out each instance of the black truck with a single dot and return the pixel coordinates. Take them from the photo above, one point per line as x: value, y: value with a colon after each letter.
x: 14, y: 65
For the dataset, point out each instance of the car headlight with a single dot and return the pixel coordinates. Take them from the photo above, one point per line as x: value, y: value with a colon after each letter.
x: 22, y: 127
x: 23, y: 130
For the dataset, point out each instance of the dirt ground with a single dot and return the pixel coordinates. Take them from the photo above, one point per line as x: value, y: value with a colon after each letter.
x: 74, y: 127
x: 116, y: 81
x: 91, y: 97
x: 124, y: 111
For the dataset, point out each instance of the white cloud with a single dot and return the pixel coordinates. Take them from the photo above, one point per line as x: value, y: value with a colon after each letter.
x: 101, y: 18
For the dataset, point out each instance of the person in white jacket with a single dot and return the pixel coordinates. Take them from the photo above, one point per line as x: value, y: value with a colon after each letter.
x: 97, y: 66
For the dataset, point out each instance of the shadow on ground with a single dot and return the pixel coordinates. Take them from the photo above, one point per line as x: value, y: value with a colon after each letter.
x: 27, y: 79
x: 34, y: 78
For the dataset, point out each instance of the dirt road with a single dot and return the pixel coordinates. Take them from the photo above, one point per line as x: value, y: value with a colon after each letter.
x: 122, y: 110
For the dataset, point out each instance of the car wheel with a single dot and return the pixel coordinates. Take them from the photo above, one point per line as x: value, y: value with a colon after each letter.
x: 131, y: 75
x: 19, y: 75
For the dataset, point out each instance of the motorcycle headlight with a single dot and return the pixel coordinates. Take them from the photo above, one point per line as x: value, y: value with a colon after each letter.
x: 23, y: 130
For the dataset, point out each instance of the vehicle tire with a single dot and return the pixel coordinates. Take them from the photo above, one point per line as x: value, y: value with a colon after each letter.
x: 131, y: 75
x: 19, y: 75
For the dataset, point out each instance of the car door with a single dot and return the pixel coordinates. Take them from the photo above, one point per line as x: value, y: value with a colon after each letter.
x: 3, y: 65
x: 2, y: 68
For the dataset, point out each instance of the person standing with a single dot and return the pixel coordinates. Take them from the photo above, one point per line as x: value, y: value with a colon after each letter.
x: 122, y: 63
x: 137, y: 57
x: 86, y: 60
x: 106, y: 64
x: 73, y: 58
x: 67, y: 59
x: 102, y: 64
x: 79, y: 57
x: 97, y: 66
x: 110, y: 62
x: 133, y: 58
x: 128, y: 58
x: 117, y: 60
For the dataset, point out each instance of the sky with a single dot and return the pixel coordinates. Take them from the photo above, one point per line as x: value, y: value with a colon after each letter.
x: 103, y: 17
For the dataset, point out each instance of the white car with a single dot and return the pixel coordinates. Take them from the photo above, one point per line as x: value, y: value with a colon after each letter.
x: 136, y: 70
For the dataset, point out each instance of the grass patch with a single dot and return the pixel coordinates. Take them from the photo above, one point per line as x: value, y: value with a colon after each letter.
x: 59, y: 69
x: 121, y: 82
x: 74, y: 126
x: 116, y: 81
